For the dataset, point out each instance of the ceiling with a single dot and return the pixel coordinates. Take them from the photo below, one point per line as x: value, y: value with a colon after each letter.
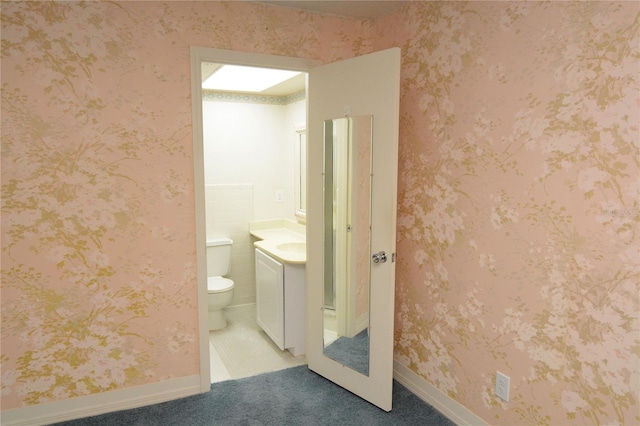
x: 364, y: 9
x: 293, y: 85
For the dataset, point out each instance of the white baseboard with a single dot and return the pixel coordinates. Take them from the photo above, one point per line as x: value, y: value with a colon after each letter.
x: 451, y: 409
x: 92, y: 405
x: 124, y: 399
x: 362, y: 323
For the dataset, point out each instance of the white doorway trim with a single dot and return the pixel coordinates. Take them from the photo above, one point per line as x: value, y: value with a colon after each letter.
x: 199, y: 55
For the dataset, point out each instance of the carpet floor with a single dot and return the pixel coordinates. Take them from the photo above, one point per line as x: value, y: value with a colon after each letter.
x: 294, y: 396
x: 351, y: 351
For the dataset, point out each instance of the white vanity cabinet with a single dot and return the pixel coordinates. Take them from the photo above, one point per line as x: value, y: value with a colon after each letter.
x: 280, y: 302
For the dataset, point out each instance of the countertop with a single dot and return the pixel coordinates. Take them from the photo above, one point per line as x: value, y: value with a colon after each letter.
x: 278, y: 239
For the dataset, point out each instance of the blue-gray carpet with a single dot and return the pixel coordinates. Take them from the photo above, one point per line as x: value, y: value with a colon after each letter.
x: 352, y: 352
x: 295, y: 396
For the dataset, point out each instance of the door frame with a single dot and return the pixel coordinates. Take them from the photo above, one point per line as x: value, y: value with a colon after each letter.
x: 232, y: 57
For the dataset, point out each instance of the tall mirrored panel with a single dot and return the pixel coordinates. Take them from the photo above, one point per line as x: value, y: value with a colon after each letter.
x: 347, y: 240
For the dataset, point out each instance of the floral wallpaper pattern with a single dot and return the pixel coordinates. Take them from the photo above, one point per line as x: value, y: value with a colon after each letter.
x: 519, y: 207
x: 519, y: 192
x: 98, y: 260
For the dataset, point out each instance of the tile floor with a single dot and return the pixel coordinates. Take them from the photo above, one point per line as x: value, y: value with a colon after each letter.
x: 242, y: 349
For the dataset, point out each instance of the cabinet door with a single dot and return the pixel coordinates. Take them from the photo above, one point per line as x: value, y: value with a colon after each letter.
x: 270, y: 297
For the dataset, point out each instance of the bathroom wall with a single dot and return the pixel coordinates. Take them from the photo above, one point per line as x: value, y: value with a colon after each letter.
x: 249, y: 145
x: 229, y: 208
x: 518, y: 210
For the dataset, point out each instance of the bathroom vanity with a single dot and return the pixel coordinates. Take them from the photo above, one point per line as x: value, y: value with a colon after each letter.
x: 280, y: 257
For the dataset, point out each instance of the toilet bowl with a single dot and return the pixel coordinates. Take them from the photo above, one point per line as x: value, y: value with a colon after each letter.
x: 220, y: 294
x: 219, y: 289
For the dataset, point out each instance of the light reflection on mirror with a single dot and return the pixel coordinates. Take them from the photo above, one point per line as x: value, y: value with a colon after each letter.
x: 347, y: 236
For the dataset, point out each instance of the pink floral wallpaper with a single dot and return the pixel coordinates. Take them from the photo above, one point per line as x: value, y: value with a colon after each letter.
x: 98, y: 254
x: 519, y: 191
x: 518, y: 209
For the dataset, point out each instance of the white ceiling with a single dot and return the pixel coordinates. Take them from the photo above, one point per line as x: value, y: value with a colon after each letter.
x: 365, y: 9
x: 288, y: 87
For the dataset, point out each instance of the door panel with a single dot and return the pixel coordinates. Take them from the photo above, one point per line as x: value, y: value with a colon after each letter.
x: 362, y: 86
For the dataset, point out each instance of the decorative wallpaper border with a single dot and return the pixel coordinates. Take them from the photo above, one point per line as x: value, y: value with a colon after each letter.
x: 250, y: 98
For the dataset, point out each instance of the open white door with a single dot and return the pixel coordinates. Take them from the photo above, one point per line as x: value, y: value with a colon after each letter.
x: 366, y: 86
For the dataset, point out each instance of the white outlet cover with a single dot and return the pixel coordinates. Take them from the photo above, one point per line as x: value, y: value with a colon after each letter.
x: 502, y: 386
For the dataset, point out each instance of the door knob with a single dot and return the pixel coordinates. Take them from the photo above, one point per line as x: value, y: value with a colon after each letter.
x: 380, y: 257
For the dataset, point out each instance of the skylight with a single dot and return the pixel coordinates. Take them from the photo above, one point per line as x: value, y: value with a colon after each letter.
x: 246, y: 79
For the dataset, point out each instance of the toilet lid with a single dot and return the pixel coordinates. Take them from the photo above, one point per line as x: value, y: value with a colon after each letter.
x: 219, y: 284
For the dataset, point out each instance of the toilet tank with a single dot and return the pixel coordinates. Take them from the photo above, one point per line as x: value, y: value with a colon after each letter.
x: 218, y: 257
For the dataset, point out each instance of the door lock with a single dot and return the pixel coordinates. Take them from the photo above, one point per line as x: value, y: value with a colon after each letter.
x: 380, y: 257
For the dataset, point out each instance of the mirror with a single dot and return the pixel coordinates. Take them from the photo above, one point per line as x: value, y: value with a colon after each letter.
x: 347, y: 240
x: 301, y: 172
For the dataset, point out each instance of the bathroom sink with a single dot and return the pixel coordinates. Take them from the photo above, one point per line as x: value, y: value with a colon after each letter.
x: 293, y: 247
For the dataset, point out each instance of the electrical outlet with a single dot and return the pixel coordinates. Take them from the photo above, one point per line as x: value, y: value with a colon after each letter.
x: 279, y: 195
x: 502, y: 386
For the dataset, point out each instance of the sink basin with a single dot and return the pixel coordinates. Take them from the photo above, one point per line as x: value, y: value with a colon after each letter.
x: 293, y: 247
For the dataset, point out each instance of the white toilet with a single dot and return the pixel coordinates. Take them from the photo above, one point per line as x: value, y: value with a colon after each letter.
x: 220, y: 289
